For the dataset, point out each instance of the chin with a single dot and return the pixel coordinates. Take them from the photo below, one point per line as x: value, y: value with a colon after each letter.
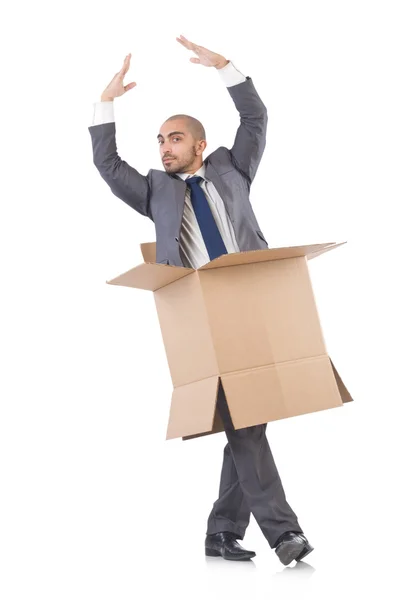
x: 171, y: 168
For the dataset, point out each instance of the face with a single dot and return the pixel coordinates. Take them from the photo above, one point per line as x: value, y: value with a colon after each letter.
x: 179, y: 151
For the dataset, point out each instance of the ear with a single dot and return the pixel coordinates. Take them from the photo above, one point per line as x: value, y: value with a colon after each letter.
x: 201, y: 146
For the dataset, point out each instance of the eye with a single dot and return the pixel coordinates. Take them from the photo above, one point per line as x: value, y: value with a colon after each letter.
x: 176, y: 138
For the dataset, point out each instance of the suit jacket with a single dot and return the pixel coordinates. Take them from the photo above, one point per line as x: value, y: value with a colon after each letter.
x: 161, y: 196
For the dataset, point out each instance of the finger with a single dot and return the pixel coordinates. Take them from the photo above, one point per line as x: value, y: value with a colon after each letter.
x: 126, y: 65
x: 192, y: 44
x: 187, y: 41
x: 184, y: 44
x: 129, y: 86
x: 197, y: 49
x: 195, y: 60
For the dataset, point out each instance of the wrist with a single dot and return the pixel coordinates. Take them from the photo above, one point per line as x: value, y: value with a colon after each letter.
x: 222, y: 64
x: 106, y: 99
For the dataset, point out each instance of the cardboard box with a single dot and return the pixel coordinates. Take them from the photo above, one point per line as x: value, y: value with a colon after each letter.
x: 248, y: 320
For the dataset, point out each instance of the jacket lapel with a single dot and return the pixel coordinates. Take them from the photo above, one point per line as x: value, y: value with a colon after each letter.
x: 179, y: 196
x: 213, y: 176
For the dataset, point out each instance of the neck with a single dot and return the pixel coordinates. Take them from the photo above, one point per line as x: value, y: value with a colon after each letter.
x: 194, y: 168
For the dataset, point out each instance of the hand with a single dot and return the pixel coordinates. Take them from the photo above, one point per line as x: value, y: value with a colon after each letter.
x: 205, y: 57
x: 116, y: 87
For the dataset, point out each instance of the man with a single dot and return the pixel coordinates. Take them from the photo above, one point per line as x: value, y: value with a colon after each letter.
x: 201, y: 209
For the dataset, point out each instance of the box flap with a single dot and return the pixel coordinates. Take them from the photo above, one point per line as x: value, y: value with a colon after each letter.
x: 193, y: 408
x: 279, y: 391
x: 217, y: 427
x: 341, y: 386
x: 267, y: 254
x: 150, y: 276
x: 148, y: 250
x: 323, y: 250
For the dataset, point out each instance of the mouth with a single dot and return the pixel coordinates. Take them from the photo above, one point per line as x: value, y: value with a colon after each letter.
x: 166, y: 160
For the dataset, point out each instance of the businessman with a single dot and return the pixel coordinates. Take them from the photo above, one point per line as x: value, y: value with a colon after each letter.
x: 201, y: 209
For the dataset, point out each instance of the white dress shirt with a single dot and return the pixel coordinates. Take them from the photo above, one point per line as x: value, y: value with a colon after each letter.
x: 192, y: 247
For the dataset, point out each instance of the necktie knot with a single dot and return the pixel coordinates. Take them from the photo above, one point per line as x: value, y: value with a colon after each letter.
x: 192, y: 180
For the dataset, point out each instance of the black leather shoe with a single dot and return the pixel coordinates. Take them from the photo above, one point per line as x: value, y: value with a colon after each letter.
x: 225, y: 544
x: 292, y: 546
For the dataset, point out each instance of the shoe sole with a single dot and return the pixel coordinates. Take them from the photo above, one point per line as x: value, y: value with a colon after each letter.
x: 209, y: 552
x: 293, y: 550
x: 306, y: 550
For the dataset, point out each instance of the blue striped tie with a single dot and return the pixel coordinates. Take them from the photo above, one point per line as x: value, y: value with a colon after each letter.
x: 208, y: 227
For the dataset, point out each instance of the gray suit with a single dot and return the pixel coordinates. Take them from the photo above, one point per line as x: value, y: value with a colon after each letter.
x: 249, y: 479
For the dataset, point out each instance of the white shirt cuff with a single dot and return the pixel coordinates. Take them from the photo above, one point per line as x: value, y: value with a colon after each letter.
x: 103, y: 113
x: 230, y: 75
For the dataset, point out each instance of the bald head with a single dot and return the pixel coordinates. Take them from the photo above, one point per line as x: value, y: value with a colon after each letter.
x: 192, y: 125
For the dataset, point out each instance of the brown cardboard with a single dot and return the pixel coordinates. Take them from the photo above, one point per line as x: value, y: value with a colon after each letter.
x: 249, y: 320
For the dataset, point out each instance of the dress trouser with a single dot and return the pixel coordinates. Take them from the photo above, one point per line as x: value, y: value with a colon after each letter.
x: 250, y: 483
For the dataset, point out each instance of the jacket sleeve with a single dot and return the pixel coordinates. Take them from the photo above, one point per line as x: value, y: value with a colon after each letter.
x: 124, y: 181
x: 250, y: 141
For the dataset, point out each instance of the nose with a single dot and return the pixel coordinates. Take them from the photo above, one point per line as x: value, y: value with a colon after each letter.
x: 165, y: 149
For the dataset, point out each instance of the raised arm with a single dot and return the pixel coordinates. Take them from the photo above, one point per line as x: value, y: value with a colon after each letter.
x: 250, y: 141
x: 124, y: 181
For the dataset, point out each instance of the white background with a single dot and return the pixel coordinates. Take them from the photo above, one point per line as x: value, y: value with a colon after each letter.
x: 94, y: 503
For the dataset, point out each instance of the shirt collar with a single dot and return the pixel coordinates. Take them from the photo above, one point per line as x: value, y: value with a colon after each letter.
x: 200, y: 173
